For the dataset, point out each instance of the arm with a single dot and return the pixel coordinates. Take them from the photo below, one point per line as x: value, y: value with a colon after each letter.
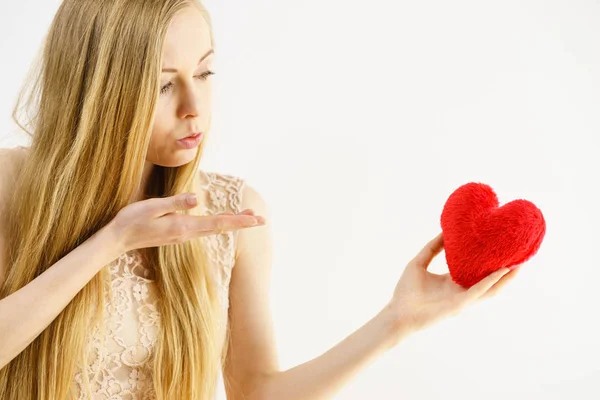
x: 420, y: 299
x: 323, y: 377
x: 42, y: 302
x: 252, y: 354
x: 252, y: 364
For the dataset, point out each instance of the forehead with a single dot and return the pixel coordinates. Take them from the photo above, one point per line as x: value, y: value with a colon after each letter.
x: 187, y: 39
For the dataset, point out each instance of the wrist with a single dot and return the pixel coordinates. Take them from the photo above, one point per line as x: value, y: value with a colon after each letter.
x: 397, y: 326
x: 112, y: 239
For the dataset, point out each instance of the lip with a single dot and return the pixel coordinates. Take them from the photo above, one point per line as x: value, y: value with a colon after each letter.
x: 190, y: 142
x: 193, y: 134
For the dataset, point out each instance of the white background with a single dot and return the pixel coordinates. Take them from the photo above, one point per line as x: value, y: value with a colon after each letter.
x: 355, y: 121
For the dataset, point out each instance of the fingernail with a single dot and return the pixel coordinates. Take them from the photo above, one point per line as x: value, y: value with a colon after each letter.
x: 192, y: 199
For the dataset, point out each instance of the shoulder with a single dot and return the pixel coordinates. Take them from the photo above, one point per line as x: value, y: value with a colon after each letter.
x: 12, y: 158
x: 254, y: 238
x: 255, y: 200
x: 12, y: 155
x: 11, y: 161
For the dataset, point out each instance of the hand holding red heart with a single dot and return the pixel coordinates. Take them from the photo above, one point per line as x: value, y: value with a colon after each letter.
x: 422, y: 298
x: 484, y: 246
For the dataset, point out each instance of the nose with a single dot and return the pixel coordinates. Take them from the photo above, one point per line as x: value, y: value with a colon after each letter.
x: 190, y: 103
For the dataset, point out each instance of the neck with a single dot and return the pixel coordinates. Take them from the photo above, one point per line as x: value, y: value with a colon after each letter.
x: 139, y: 194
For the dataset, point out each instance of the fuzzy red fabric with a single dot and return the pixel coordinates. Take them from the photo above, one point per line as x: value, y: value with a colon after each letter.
x: 480, y: 237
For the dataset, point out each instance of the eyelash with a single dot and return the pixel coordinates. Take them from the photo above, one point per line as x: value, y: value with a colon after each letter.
x: 204, y: 76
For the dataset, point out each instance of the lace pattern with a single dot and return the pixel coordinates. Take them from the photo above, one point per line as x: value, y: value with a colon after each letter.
x: 119, y: 366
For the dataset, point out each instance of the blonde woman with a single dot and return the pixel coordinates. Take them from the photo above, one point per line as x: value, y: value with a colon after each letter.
x: 112, y: 284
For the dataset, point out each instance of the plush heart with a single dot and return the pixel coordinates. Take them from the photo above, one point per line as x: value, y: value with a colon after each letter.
x: 480, y: 237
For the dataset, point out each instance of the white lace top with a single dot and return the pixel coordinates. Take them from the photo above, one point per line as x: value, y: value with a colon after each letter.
x: 119, y: 368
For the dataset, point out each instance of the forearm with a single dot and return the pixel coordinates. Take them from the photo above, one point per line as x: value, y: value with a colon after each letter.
x: 322, y: 377
x: 25, y: 313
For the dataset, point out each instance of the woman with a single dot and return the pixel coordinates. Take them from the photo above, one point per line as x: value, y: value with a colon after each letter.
x: 135, y: 293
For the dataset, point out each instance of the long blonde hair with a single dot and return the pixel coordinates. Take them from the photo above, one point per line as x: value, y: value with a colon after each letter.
x: 93, y: 94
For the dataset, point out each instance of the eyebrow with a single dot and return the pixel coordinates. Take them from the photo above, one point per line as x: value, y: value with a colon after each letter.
x: 211, y: 51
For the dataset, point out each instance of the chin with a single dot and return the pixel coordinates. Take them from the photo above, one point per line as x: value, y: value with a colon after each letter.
x: 176, y: 160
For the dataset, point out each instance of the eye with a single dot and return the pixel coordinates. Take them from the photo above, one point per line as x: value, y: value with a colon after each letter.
x: 205, y: 75
x: 169, y: 85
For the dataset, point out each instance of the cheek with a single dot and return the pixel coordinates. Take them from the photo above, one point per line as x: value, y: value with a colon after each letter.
x: 159, y: 119
x: 161, y: 130
x: 161, y: 147
x: 160, y: 138
x: 208, y: 96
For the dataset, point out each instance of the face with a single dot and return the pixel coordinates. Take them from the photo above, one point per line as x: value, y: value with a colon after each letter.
x: 184, y: 103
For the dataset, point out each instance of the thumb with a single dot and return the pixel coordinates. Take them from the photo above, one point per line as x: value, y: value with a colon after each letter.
x: 178, y: 202
x: 429, y: 251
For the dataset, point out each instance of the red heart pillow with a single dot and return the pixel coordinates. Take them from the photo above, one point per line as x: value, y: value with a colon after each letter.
x: 480, y: 237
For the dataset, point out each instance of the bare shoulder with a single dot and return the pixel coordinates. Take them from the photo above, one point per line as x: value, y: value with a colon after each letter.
x: 6, y: 156
x: 11, y: 157
x: 253, y: 199
x: 11, y: 160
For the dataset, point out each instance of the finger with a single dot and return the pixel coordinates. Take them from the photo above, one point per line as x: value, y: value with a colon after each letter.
x: 477, y: 290
x: 225, y: 223
x: 431, y: 249
x: 250, y: 212
x: 245, y: 212
x: 166, y: 205
x: 501, y: 283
